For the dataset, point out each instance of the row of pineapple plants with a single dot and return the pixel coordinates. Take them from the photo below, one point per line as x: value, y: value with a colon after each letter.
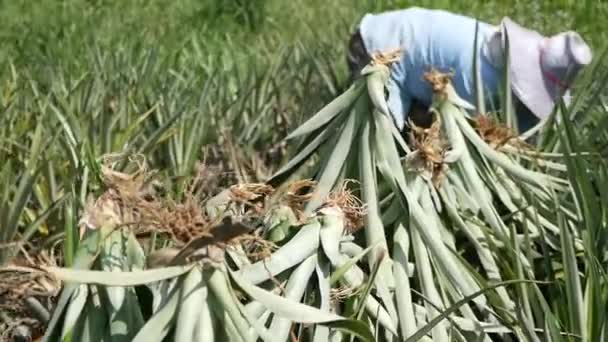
x: 464, y: 232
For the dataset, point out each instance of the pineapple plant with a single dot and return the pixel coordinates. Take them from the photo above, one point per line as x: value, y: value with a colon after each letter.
x: 437, y: 237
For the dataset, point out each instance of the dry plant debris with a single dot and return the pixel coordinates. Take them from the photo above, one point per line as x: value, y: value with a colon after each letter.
x: 431, y: 146
x: 296, y: 196
x: 129, y: 202
x: 27, y: 293
x: 491, y: 131
x: 497, y: 134
x: 438, y: 81
x: 257, y: 248
x: 251, y: 195
x: 298, y: 193
x: 340, y: 293
x: 352, y: 207
x: 210, y: 247
x: 386, y: 57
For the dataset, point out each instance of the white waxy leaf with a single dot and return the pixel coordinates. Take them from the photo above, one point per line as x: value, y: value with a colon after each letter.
x: 331, y: 232
x: 376, y: 81
x: 284, y: 307
x: 158, y: 326
x: 407, y: 320
x: 133, y: 278
x: 322, y: 271
x: 193, y: 297
x: 297, y: 284
x: 304, y: 244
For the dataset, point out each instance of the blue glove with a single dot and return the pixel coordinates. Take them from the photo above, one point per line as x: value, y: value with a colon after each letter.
x: 430, y: 39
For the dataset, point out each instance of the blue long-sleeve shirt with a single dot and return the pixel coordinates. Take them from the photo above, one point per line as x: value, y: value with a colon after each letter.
x: 430, y: 39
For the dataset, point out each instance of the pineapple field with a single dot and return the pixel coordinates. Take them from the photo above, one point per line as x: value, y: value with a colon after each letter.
x: 208, y: 171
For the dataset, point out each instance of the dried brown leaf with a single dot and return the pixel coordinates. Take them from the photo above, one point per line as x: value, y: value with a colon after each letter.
x: 431, y: 146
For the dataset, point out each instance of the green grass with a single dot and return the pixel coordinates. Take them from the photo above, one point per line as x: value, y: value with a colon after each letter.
x: 51, y: 33
x: 167, y: 79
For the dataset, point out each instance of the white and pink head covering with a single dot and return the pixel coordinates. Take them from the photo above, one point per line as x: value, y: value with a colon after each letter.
x: 541, y: 68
